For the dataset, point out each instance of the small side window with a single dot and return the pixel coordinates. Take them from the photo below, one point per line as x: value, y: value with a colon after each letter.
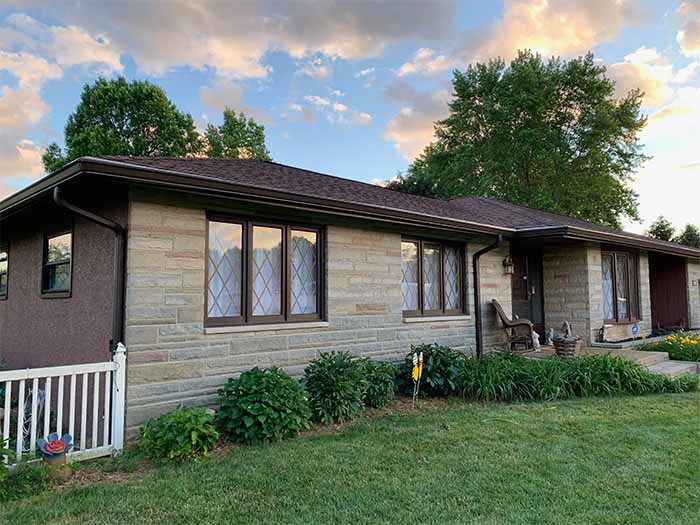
x: 58, y: 251
x: 4, y: 269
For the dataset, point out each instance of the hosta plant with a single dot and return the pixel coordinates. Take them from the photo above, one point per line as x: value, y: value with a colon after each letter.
x: 263, y: 405
x: 183, y: 434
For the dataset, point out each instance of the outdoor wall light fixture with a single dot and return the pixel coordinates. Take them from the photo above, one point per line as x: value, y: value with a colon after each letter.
x: 508, y: 266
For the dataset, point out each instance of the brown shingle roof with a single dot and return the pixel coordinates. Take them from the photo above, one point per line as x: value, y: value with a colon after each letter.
x: 279, y: 177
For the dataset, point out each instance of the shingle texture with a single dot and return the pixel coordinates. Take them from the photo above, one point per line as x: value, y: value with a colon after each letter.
x: 279, y: 177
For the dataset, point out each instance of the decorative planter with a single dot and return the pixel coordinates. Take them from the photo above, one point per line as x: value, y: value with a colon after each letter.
x: 567, y: 347
x: 53, y: 453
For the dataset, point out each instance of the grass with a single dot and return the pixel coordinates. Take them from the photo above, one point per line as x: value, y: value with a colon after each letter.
x: 610, y: 460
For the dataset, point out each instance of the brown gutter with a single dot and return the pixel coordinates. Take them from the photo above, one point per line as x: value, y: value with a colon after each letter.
x: 119, y: 261
x: 477, y: 294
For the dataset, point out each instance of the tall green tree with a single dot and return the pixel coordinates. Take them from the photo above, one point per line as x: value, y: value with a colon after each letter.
x: 116, y: 117
x: 548, y: 134
x: 237, y: 137
x: 690, y: 236
x: 662, y: 229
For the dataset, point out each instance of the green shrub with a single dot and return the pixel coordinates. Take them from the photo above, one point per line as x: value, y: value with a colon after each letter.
x: 380, y: 382
x: 508, y: 377
x: 183, y: 434
x: 681, y: 346
x: 263, y: 405
x: 26, y: 479
x: 441, y: 371
x: 336, y: 385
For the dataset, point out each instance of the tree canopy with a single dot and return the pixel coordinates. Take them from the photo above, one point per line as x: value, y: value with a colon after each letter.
x: 116, y: 117
x: 690, y: 236
x: 662, y: 229
x: 545, y: 134
x: 237, y: 137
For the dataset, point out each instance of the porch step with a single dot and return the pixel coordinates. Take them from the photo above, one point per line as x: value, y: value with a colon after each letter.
x: 646, y: 358
x: 675, y: 368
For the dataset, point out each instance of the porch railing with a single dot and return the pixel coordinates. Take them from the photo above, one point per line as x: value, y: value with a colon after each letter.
x: 88, y: 399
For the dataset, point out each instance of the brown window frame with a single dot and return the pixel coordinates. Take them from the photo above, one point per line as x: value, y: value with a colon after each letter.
x: 286, y: 316
x: 632, y: 285
x: 47, y: 293
x: 4, y: 248
x: 442, y: 311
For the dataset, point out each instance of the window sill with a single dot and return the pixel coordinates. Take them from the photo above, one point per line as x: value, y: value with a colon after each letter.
x: 55, y: 295
x: 264, y: 327
x: 436, y: 318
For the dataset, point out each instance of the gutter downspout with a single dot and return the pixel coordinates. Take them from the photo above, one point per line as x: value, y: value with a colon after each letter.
x: 477, y: 293
x: 120, y: 243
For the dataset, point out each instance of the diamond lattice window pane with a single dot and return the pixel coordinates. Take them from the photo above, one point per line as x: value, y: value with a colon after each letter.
x: 409, y: 275
x: 267, y: 270
x: 621, y: 279
x: 452, y: 279
x: 225, y: 269
x: 608, y: 309
x: 431, y: 277
x: 304, y: 272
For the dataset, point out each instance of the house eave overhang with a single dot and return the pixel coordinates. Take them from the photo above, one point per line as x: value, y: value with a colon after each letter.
x: 221, y: 188
x: 154, y: 177
x: 575, y: 233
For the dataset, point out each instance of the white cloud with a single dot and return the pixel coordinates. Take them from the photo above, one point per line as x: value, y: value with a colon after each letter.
x: 362, y: 118
x: 426, y: 62
x: 412, y: 128
x: 688, y: 36
x: 337, y: 106
x: 668, y: 184
x: 337, y: 93
x: 233, y: 41
x: 364, y: 72
x: 229, y: 94
x: 383, y: 183
x: 649, y: 71
x: 315, y: 69
x: 550, y: 27
x: 66, y: 45
x: 317, y: 101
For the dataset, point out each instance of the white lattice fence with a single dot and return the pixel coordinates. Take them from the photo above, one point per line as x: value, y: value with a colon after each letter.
x: 85, y: 401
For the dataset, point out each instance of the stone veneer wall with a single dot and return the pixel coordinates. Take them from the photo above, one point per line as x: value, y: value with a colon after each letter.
x: 172, y: 361
x: 573, y: 289
x: 694, y: 293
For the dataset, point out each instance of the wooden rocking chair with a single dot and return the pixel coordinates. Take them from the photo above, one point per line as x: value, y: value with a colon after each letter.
x: 518, y: 331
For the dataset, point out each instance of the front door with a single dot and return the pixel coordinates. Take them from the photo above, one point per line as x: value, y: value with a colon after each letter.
x: 528, y: 287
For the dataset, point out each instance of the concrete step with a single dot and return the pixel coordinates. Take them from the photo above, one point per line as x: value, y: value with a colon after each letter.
x: 647, y: 358
x: 675, y: 368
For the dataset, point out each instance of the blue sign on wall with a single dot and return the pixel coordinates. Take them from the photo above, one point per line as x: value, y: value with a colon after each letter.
x: 635, y: 330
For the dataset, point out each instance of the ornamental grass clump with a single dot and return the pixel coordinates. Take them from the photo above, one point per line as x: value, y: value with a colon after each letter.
x: 508, y: 377
x: 336, y: 386
x: 440, y: 372
x: 184, y: 434
x: 681, y: 346
x: 263, y: 405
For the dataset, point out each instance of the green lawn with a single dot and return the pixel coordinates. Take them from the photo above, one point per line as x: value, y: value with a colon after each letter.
x: 624, y: 460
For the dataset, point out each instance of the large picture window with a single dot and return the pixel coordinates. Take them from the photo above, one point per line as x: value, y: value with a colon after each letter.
x: 58, y: 255
x: 262, y: 272
x: 432, y: 278
x: 620, y: 287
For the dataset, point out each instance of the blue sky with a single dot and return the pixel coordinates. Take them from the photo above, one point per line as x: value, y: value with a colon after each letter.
x: 348, y: 88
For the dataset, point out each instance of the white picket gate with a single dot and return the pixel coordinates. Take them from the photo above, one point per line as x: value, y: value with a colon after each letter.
x: 46, y: 402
